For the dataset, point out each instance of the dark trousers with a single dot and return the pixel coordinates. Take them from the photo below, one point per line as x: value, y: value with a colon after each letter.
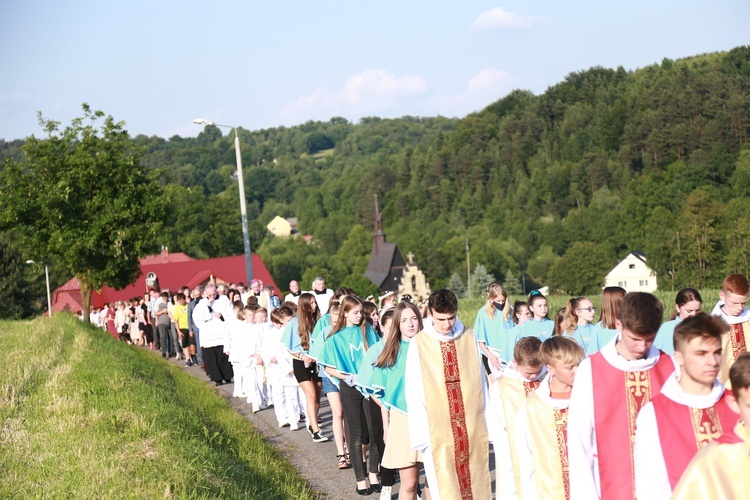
x: 218, y: 367
x: 355, y: 408
x: 164, y: 340
x: 375, y: 424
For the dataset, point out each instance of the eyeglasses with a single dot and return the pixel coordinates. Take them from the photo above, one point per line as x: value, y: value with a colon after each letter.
x: 589, y: 309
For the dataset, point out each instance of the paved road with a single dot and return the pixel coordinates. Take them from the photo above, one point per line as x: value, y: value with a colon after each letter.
x: 316, y: 462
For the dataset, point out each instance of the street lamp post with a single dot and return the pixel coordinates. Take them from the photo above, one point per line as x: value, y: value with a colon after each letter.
x: 49, y: 296
x: 243, y: 203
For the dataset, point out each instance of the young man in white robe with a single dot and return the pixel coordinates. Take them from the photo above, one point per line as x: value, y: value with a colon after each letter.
x: 732, y: 308
x: 507, y: 394
x: 691, y: 411
x: 610, y: 389
x: 443, y: 383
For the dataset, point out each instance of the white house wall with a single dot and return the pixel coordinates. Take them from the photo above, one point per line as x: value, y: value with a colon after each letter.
x: 633, y: 275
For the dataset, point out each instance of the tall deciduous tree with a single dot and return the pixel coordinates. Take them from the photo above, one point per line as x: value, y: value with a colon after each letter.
x: 581, y: 270
x: 81, y: 197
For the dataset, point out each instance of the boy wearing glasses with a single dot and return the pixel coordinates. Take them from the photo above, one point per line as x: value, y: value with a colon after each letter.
x: 610, y: 389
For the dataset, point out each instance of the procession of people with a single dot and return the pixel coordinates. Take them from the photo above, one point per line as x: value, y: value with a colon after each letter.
x: 626, y: 407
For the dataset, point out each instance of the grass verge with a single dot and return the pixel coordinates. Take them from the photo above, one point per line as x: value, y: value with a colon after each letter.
x: 83, y: 415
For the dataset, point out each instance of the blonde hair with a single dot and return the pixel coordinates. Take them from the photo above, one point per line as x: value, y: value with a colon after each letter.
x: 563, y: 349
x: 495, y: 290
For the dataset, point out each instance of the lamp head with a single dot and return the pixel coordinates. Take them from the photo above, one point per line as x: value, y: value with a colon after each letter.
x: 201, y: 121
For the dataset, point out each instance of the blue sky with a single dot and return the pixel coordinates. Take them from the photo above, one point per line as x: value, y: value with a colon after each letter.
x: 157, y: 65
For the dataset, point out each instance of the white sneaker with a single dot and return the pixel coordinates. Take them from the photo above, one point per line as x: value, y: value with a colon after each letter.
x: 293, y: 426
x: 386, y: 492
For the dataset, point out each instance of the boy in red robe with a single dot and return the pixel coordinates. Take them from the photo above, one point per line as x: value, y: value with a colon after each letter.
x: 720, y: 470
x: 610, y: 389
x: 691, y: 411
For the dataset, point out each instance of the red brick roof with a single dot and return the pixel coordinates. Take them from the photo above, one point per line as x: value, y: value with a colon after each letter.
x: 183, y: 271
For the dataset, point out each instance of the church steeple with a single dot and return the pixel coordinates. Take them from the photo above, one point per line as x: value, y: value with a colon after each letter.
x: 379, y: 235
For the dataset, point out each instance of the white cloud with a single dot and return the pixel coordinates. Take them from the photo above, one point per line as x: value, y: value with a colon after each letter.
x: 482, y: 89
x: 13, y: 96
x: 372, y: 90
x: 499, y: 18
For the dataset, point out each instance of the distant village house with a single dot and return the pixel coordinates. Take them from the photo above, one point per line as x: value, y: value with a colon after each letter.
x: 632, y: 274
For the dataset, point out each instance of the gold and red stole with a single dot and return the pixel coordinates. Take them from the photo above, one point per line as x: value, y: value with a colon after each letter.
x: 618, y: 397
x: 548, y: 433
x: 684, y: 430
x: 513, y: 393
x: 452, y: 379
x: 719, y: 470
x: 733, y: 343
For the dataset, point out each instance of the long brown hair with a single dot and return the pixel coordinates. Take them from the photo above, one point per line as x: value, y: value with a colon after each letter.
x: 306, y: 318
x: 611, y: 298
x: 387, y: 358
x: 349, y: 302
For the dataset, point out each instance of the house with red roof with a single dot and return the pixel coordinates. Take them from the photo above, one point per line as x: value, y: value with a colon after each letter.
x: 172, y: 271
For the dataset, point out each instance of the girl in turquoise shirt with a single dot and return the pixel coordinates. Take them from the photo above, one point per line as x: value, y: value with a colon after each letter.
x: 492, y: 329
x: 604, y: 331
x: 687, y: 303
x: 579, y: 314
x: 540, y: 325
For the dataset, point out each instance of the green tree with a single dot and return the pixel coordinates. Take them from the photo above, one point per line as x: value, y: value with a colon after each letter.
x: 581, y: 270
x: 456, y: 285
x: 11, y: 281
x: 81, y: 197
x: 511, y: 284
x: 699, y: 237
x: 480, y: 280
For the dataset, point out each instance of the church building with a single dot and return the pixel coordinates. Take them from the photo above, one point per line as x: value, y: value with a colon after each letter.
x: 389, y: 271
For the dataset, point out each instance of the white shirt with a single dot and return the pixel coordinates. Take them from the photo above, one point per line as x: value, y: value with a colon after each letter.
x: 582, y: 446
x: 323, y: 299
x: 213, y: 331
x: 651, y: 478
x: 292, y: 298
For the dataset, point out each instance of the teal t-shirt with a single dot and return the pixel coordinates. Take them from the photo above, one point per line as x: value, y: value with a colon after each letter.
x: 496, y: 334
x: 665, y: 336
x: 600, y: 337
x: 345, y: 349
x: 541, y: 329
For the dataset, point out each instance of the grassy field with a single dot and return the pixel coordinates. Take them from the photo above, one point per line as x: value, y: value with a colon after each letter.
x: 467, y: 309
x: 83, y: 415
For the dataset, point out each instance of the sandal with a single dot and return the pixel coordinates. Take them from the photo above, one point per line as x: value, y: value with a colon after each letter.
x: 342, y: 462
x: 348, y: 460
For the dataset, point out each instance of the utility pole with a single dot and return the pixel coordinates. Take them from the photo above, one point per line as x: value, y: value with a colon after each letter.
x: 468, y: 270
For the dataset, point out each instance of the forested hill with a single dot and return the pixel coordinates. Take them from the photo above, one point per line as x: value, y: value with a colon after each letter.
x: 558, y: 185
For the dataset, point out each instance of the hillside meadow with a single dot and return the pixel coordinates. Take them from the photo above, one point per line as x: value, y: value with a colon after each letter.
x: 84, y: 415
